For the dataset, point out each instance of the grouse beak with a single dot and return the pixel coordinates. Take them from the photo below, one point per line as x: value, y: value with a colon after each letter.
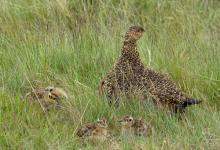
x: 120, y: 120
x: 142, y: 30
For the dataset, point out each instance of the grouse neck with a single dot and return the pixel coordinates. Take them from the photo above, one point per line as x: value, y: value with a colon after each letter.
x: 129, y: 48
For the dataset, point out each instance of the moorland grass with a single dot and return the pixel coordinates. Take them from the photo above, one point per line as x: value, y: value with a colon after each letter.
x: 73, y: 43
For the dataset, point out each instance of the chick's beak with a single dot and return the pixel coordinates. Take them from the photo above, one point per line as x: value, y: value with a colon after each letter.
x: 120, y: 120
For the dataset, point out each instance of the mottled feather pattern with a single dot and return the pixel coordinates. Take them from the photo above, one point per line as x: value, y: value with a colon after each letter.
x: 132, y: 126
x: 129, y: 75
x: 49, y: 97
x: 96, y: 131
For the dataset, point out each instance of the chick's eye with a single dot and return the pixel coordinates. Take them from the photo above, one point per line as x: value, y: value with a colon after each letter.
x: 130, y: 120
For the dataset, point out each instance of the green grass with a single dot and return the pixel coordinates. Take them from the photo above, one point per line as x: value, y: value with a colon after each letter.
x: 72, y: 44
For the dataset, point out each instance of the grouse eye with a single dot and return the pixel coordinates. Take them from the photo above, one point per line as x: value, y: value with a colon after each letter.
x: 51, y: 90
x: 130, y: 120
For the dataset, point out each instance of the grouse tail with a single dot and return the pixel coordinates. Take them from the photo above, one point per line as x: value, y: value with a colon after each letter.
x: 190, y: 101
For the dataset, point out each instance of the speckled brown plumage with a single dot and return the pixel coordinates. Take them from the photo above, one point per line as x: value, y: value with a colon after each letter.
x: 127, y: 72
x: 48, y: 98
x: 142, y: 128
x: 96, y: 131
x: 139, y: 127
x: 129, y: 75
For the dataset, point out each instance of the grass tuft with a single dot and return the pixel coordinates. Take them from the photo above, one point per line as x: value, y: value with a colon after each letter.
x: 73, y: 43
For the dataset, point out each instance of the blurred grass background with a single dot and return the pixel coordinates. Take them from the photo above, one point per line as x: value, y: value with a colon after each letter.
x: 73, y: 43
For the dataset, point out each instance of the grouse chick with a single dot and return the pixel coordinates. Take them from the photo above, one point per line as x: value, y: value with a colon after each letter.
x: 48, y: 98
x: 138, y: 127
x: 96, y: 131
